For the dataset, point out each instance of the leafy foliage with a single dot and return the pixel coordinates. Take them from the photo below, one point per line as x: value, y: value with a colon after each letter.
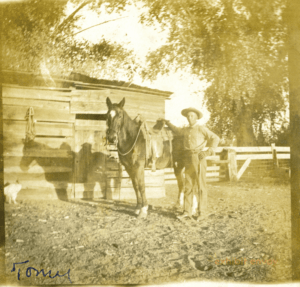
x: 38, y: 37
x: 237, y: 45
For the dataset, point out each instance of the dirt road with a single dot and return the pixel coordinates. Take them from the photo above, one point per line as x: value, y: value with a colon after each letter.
x: 246, y: 238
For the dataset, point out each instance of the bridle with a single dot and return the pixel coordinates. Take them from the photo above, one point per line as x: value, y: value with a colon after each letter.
x: 116, y: 142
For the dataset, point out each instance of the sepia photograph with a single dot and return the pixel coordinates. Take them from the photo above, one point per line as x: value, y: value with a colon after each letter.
x: 150, y: 142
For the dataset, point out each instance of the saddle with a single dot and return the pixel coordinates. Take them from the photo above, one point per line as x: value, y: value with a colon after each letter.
x: 155, y: 137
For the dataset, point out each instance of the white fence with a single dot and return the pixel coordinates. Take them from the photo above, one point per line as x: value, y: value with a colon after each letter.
x: 234, y: 163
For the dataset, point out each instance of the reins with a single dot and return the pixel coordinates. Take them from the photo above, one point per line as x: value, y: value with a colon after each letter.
x: 123, y: 154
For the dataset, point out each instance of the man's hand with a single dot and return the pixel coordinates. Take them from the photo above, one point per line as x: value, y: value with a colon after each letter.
x: 204, y: 154
x: 163, y: 120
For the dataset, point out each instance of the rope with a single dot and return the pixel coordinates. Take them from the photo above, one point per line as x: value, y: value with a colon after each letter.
x: 133, y: 143
x: 147, y: 136
x: 30, y: 125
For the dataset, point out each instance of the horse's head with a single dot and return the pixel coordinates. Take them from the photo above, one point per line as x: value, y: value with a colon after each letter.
x: 114, y: 120
x: 27, y: 161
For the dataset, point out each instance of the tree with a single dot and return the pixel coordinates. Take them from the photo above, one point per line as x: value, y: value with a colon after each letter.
x: 292, y: 18
x: 239, y: 46
x: 39, y: 37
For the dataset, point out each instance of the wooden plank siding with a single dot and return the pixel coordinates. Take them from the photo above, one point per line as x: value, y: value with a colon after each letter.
x: 40, y: 178
x: 96, y: 108
x: 15, y: 162
x: 69, y: 155
x: 38, y: 169
x: 47, y: 163
x: 150, y: 107
x: 13, y: 128
x: 40, y: 114
x: 16, y: 143
x: 9, y: 91
x: 90, y: 95
x: 41, y: 153
x: 90, y: 158
x: 46, y: 104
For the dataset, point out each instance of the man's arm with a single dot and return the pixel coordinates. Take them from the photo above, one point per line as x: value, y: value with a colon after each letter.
x: 173, y: 128
x: 212, y: 140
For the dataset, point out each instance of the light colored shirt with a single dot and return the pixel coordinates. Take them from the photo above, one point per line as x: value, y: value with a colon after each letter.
x: 197, y: 137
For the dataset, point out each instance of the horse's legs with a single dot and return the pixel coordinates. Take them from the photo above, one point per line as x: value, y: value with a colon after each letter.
x: 134, y: 180
x: 141, y: 187
x: 178, y: 170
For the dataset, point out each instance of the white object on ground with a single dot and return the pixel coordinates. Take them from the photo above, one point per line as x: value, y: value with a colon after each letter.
x: 11, y: 191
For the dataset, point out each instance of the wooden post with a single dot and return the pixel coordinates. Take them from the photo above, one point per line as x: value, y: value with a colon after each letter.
x: 275, y: 159
x: 232, y: 165
x: 73, y: 195
x: 224, y: 156
x: 231, y: 170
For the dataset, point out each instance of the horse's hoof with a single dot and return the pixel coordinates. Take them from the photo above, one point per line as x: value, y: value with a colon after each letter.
x: 137, y: 211
x: 143, y: 213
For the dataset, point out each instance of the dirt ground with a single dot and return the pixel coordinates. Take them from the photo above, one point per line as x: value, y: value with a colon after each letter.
x: 246, y: 238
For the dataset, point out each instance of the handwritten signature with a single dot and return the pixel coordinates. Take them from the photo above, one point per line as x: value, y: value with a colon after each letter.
x: 28, y: 272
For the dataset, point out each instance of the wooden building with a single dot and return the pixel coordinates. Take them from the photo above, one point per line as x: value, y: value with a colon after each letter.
x: 68, y: 157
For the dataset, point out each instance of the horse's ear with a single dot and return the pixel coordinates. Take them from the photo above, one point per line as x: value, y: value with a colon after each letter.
x: 122, y: 103
x: 108, y: 102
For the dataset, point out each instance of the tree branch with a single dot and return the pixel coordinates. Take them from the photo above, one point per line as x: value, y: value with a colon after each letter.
x: 99, y: 24
x: 71, y: 16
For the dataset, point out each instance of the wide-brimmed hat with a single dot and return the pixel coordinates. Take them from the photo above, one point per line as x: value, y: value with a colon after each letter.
x: 186, y: 111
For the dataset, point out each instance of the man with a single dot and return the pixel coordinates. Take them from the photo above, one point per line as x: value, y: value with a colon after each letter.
x: 195, y: 138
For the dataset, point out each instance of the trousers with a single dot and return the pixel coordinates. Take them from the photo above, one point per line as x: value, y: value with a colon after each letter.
x: 195, y: 183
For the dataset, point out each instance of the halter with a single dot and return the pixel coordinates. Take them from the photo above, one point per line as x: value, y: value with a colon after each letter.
x: 116, y: 144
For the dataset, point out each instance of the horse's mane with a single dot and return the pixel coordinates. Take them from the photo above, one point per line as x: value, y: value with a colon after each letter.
x: 130, y: 125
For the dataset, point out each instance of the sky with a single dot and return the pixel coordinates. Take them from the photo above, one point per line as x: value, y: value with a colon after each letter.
x: 187, y: 90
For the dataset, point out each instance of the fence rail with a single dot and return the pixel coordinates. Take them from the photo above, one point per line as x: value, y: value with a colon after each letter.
x: 231, y: 163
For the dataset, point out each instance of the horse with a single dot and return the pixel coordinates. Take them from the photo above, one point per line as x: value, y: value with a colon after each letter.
x: 60, y: 180
x: 126, y: 134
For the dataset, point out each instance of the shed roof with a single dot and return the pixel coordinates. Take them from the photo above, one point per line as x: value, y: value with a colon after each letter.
x: 75, y: 80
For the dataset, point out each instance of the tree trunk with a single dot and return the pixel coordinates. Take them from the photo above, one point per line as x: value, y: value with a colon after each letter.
x: 293, y: 12
x: 243, y: 126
